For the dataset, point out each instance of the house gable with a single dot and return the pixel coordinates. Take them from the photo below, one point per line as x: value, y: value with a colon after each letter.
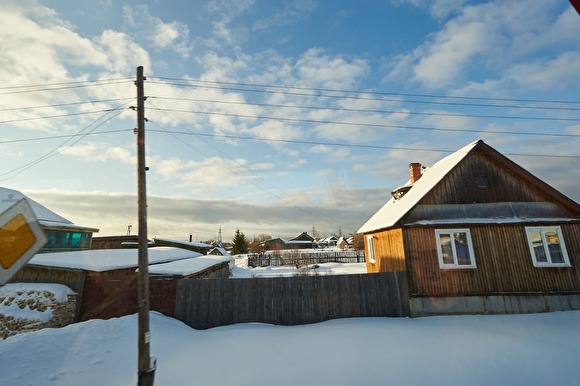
x: 476, y: 182
x: 487, y: 185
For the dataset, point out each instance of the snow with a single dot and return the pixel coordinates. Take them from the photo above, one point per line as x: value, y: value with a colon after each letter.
x: 186, y: 243
x: 99, y: 260
x: 533, y: 349
x: 187, y: 266
x: 12, y: 293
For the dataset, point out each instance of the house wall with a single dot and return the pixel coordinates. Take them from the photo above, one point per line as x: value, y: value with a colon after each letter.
x: 479, y: 179
x: 388, y: 251
x: 502, y: 256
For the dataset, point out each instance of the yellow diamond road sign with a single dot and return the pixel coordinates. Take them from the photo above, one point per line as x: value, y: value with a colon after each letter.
x: 20, y: 238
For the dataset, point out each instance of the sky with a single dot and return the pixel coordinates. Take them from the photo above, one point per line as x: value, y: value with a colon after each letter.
x: 522, y: 349
x: 276, y: 117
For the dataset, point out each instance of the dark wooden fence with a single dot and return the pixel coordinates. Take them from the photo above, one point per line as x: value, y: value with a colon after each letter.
x: 208, y: 303
x: 300, y: 258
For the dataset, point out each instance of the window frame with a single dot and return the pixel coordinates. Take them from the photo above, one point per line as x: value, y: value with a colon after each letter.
x: 371, y: 248
x: 455, y: 265
x: 549, y: 263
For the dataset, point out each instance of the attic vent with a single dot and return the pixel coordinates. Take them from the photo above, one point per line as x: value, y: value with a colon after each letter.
x: 400, y: 192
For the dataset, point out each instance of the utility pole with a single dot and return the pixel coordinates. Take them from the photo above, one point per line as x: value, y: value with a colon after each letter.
x: 146, y: 370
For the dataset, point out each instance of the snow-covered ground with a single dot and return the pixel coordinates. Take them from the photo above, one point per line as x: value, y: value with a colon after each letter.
x: 535, y: 349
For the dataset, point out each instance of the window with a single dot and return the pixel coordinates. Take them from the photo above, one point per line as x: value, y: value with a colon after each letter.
x: 371, y: 248
x: 547, y: 247
x: 66, y: 240
x: 454, y: 248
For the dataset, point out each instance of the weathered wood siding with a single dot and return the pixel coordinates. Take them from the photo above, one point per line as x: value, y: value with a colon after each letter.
x: 480, y: 178
x: 388, y: 250
x: 503, y: 260
x: 210, y: 303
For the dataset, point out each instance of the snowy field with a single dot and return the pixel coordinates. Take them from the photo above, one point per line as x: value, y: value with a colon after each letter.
x: 535, y: 349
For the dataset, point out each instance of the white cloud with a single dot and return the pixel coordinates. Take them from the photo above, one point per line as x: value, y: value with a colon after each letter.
x: 171, y: 35
x: 289, y: 14
x: 315, y: 68
x: 438, y: 8
x: 494, y: 36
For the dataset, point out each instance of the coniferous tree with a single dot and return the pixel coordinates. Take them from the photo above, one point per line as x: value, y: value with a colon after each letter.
x: 240, y: 244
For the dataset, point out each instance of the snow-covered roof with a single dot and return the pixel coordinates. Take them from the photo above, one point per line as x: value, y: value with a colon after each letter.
x: 188, y: 266
x: 393, y: 210
x: 100, y: 260
x: 185, y: 243
x: 45, y: 216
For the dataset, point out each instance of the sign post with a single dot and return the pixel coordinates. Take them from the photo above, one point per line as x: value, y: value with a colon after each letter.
x: 20, y: 238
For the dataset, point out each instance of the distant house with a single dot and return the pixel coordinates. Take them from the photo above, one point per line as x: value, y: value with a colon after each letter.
x: 476, y: 233
x: 62, y: 234
x: 329, y: 241
x: 302, y: 241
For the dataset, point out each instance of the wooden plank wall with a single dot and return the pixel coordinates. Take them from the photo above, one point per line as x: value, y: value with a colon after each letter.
x: 72, y: 278
x: 503, y: 260
x: 389, y: 251
x: 296, y: 300
x: 463, y: 185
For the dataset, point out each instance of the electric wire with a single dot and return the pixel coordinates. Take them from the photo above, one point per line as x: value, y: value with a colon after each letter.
x: 358, y: 96
x: 59, y: 115
x: 374, y: 111
x: 351, y: 145
x: 64, y: 145
x: 281, y: 197
x: 367, y: 92
x: 8, y: 90
x: 361, y: 124
x: 66, y: 104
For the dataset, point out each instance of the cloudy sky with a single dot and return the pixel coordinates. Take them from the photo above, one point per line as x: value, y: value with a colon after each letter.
x: 276, y: 116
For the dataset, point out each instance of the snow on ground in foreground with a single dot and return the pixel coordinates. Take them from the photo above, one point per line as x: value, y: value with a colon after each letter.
x: 534, y: 349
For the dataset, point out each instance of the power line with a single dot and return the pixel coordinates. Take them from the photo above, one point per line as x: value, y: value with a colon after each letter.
x: 360, y: 124
x: 59, y: 149
x: 61, y: 115
x: 376, y: 111
x: 36, y: 139
x: 379, y: 96
x: 309, y: 212
x: 60, y: 85
x: 65, y: 104
x: 350, y: 145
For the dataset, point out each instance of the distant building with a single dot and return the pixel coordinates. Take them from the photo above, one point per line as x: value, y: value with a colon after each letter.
x: 302, y: 241
x: 62, y: 234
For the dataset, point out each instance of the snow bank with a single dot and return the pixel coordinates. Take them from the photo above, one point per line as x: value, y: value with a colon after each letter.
x: 534, y: 349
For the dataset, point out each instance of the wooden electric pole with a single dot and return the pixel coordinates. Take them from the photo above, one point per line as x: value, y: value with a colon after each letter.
x: 146, y: 371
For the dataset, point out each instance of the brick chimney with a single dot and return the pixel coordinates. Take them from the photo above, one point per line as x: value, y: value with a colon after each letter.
x: 414, y: 172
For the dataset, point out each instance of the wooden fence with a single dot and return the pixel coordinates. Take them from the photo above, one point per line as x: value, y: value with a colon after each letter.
x: 300, y: 258
x: 208, y: 303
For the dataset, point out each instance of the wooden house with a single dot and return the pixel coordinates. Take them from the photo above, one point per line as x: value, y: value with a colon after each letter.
x: 476, y: 233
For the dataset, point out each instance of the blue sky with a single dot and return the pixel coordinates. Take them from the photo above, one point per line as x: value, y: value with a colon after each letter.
x: 276, y: 116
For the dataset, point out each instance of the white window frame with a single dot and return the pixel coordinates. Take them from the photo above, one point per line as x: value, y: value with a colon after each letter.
x: 455, y: 264
x: 548, y: 263
x: 371, y: 248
